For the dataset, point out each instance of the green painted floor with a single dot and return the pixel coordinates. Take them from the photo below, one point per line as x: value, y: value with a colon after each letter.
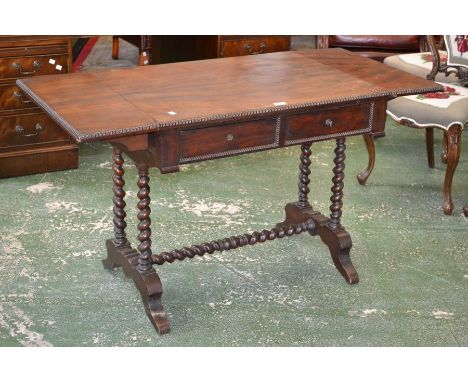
x: 412, y: 259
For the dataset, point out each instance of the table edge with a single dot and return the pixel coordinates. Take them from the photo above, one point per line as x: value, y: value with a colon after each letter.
x: 212, y: 118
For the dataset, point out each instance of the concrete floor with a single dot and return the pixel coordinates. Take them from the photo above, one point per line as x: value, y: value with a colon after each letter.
x: 411, y: 258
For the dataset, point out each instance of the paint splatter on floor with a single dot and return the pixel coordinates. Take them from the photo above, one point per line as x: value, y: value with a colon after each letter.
x: 440, y: 314
x: 41, y: 187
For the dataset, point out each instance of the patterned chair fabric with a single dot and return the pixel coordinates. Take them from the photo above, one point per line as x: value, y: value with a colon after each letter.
x: 441, y: 109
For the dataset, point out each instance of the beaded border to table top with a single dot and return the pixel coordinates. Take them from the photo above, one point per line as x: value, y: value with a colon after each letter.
x: 260, y: 112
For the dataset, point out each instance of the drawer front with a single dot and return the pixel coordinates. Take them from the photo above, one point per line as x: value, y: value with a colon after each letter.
x: 213, y: 142
x: 328, y: 123
x: 15, y: 49
x: 11, y: 98
x: 243, y: 47
x: 27, y: 66
x: 29, y: 129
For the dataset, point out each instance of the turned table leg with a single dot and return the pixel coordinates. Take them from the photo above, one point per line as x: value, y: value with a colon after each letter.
x: 329, y: 229
x: 144, y: 237
x: 118, y: 247
x: 338, y: 185
x: 370, y: 146
x: 120, y: 237
x: 145, y: 277
x: 136, y: 264
x: 336, y: 237
x: 304, y: 176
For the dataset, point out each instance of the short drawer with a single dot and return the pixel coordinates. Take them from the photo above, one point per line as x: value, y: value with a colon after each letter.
x: 328, y: 122
x: 27, y: 66
x: 213, y: 142
x: 243, y: 47
x: 29, y: 129
x: 17, y: 48
x: 11, y: 98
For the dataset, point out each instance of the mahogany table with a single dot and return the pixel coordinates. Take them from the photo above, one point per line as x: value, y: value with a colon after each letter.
x: 167, y: 115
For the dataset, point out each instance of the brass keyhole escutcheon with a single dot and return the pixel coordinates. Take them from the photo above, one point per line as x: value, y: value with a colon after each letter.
x: 328, y: 122
x: 229, y: 137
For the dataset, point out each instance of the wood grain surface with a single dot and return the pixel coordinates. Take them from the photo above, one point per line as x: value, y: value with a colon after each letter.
x: 99, y: 105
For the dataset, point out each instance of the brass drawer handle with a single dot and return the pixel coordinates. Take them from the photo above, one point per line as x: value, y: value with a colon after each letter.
x: 36, y: 66
x: 262, y: 47
x: 328, y: 122
x: 18, y: 95
x: 22, y: 131
x: 229, y: 137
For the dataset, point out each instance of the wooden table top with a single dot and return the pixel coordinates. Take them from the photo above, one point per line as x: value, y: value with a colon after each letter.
x: 99, y: 105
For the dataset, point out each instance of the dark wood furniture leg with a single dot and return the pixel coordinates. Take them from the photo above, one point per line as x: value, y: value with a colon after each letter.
x: 443, y: 155
x: 370, y: 146
x: 119, y: 246
x: 430, y: 146
x: 453, y: 155
x: 329, y: 229
x: 465, y: 210
x: 380, y: 134
x: 136, y: 264
x: 115, y: 47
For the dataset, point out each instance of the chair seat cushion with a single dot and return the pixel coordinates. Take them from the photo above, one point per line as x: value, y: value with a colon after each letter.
x: 420, y: 64
x: 385, y: 42
x: 441, y: 109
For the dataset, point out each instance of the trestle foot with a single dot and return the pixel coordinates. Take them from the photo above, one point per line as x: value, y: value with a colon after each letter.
x: 337, y: 240
x: 148, y: 283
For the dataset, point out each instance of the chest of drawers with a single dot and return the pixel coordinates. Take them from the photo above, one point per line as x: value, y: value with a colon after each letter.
x: 30, y: 142
x: 167, y: 49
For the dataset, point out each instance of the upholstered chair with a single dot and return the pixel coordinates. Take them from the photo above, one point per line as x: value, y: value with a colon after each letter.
x: 377, y: 47
x: 446, y: 111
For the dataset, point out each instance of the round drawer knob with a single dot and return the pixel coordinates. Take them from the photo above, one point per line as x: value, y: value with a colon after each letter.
x: 328, y: 122
x: 229, y: 137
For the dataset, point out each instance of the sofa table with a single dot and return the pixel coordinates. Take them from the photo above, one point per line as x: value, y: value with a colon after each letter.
x: 167, y: 115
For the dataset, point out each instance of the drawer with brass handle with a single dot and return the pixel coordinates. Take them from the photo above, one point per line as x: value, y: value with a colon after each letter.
x: 328, y: 122
x: 11, y: 98
x: 231, y: 46
x: 262, y: 47
x: 29, y: 129
x: 228, y: 139
x: 26, y: 66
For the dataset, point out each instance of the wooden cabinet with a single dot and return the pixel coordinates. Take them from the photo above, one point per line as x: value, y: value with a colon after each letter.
x: 30, y: 141
x: 166, y: 49
x: 231, y: 46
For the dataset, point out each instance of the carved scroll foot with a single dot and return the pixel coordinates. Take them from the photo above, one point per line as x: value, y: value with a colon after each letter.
x: 363, y: 176
x: 150, y: 287
x: 338, y: 240
x: 148, y: 283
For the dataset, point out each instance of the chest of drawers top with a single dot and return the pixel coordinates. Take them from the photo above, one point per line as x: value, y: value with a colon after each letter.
x: 27, y: 56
